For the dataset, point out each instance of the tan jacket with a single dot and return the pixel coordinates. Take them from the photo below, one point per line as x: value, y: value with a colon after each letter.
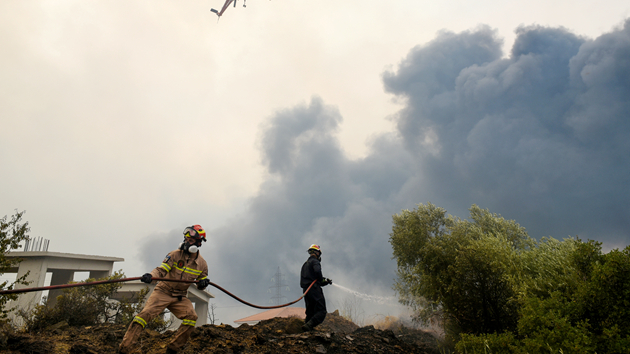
x: 180, y: 265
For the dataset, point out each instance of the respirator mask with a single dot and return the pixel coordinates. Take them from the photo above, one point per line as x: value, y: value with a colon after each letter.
x: 187, y: 247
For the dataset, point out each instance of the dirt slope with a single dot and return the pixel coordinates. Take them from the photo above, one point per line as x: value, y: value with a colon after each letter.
x: 279, y: 335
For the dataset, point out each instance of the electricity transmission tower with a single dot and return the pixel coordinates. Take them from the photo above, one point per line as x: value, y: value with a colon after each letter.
x: 280, y: 282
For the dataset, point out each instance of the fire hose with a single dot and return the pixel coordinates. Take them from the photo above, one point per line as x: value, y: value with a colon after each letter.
x: 63, y: 286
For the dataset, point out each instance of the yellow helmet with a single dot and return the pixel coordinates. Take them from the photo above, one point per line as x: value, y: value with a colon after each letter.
x: 314, y: 247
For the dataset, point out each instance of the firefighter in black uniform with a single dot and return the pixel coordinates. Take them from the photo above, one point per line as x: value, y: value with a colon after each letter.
x: 314, y: 299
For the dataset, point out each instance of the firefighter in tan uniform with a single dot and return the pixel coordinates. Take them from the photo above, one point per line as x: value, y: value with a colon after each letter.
x: 182, y: 263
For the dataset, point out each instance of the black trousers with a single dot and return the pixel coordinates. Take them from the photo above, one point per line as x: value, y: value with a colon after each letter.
x: 315, y: 306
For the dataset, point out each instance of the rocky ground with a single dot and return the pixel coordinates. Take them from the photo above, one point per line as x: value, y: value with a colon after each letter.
x: 279, y: 335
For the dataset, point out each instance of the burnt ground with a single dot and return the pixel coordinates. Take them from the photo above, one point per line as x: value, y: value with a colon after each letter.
x: 278, y: 335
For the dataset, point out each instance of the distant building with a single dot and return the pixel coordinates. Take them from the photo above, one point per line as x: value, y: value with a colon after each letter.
x: 64, y: 265
x: 284, y: 312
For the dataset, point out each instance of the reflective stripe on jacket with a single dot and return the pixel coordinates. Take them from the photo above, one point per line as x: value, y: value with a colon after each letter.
x: 180, y: 265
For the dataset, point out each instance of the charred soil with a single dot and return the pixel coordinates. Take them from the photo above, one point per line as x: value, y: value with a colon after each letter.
x: 278, y: 335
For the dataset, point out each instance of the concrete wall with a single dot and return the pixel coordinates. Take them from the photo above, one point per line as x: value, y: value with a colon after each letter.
x: 199, y: 298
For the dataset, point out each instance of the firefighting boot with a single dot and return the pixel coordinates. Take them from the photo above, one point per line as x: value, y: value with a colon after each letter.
x: 307, y: 327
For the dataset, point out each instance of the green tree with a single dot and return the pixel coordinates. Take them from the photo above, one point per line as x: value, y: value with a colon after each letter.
x: 465, y: 270
x: 603, y: 298
x: 12, y: 232
x: 411, y: 232
x: 588, y: 313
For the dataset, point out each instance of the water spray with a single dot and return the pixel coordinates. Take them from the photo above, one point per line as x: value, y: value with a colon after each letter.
x: 375, y: 298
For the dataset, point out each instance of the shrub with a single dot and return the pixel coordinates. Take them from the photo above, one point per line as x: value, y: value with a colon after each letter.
x: 503, y: 343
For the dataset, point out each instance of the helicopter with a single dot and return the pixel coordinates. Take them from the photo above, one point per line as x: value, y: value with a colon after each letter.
x: 225, y: 6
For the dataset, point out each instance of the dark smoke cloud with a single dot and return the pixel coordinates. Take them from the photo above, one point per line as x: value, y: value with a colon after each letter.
x: 540, y: 137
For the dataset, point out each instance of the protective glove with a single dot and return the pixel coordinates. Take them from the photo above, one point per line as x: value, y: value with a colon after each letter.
x: 146, y: 278
x: 203, y: 283
x: 326, y: 281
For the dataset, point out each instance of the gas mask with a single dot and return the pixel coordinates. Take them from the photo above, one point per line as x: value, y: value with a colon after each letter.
x: 187, y: 247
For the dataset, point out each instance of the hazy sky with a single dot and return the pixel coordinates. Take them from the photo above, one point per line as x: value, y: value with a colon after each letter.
x: 291, y: 122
